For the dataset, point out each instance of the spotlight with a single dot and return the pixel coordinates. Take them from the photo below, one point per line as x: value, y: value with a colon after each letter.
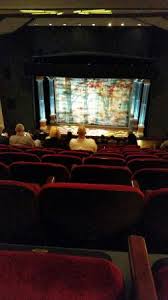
x: 93, y: 24
x: 64, y: 24
x: 139, y: 24
x: 50, y: 24
x: 109, y: 24
x: 122, y: 24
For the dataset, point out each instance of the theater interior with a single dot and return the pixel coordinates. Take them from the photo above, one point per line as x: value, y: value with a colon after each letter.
x: 84, y: 150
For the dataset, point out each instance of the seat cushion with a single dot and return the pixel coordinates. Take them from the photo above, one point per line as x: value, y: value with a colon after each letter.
x: 51, y: 276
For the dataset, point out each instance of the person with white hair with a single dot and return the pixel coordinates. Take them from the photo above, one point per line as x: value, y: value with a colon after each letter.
x: 81, y: 142
x: 21, y: 137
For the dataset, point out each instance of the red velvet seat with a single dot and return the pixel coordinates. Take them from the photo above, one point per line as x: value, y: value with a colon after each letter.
x: 18, y: 210
x: 151, y: 178
x: 51, y: 276
x: 4, y: 171
x: 97, y: 160
x: 89, y: 214
x: 138, y: 164
x: 77, y: 153
x: 63, y: 159
x: 40, y: 152
x: 101, y: 174
x: 38, y: 172
x: 10, y: 157
x: 160, y: 274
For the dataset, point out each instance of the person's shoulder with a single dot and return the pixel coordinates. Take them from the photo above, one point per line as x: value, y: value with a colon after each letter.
x: 91, y: 140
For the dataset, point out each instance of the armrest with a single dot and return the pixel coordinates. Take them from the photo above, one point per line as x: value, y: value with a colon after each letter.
x: 135, y: 183
x: 50, y: 179
x: 143, y: 283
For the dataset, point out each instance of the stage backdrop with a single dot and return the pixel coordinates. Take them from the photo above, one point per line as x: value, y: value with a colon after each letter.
x: 93, y: 101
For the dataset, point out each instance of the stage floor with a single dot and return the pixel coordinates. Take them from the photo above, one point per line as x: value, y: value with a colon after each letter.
x: 96, y: 131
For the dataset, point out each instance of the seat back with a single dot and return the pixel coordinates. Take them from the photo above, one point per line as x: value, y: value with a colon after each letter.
x: 139, y: 156
x: 40, y: 152
x: 160, y: 275
x: 4, y: 171
x: 58, y: 276
x: 101, y: 174
x: 63, y: 159
x: 138, y: 164
x: 88, y: 212
x: 38, y: 172
x: 18, y: 210
x: 76, y: 153
x: 155, y: 221
x: 108, y: 154
x: 151, y: 179
x: 10, y: 157
x: 97, y: 160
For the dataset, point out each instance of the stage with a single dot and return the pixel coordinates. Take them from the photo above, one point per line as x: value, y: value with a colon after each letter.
x: 92, y: 130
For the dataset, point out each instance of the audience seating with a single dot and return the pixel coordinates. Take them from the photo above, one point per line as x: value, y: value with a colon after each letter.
x: 89, y: 215
x: 10, y: 157
x: 18, y: 211
x: 138, y: 164
x: 63, y: 159
x: 151, y: 178
x: 38, y: 172
x: 40, y: 275
x: 101, y: 174
x: 77, y: 153
x: 96, y: 160
x: 4, y: 172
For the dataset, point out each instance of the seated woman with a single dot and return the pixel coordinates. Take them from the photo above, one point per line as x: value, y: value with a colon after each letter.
x: 54, y: 139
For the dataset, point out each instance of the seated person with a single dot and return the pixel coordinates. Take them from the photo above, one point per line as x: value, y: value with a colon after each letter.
x: 112, y: 140
x: 164, y: 145
x: 4, y: 139
x: 21, y: 137
x: 36, y: 138
x: 81, y: 142
x: 132, y: 139
x: 54, y: 139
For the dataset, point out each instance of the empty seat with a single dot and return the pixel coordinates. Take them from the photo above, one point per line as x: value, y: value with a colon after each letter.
x: 63, y: 159
x: 151, y: 179
x: 101, y: 174
x: 91, y: 214
x: 138, y: 164
x: 40, y: 152
x: 4, y: 171
x: 97, y: 160
x: 38, y: 172
x: 10, y: 157
x: 58, y: 276
x: 18, y: 210
x: 77, y: 153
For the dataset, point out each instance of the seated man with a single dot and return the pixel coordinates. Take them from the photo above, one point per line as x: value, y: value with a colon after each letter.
x: 81, y: 142
x: 21, y: 137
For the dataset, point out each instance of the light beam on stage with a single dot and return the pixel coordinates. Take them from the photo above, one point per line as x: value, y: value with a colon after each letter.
x: 52, y: 100
x: 144, y: 103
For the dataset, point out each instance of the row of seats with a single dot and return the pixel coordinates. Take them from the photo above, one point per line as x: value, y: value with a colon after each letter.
x: 87, y: 215
x: 40, y: 173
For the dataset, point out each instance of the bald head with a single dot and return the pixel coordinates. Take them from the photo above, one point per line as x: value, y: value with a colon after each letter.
x: 19, y: 128
x: 81, y: 131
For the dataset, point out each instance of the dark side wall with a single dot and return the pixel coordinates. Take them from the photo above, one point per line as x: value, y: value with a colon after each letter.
x: 16, y: 49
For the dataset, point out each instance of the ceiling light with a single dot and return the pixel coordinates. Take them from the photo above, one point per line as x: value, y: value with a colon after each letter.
x: 139, y: 24
x: 122, y: 24
x: 93, y: 12
x: 64, y: 24
x: 93, y: 24
x: 41, y: 12
x: 109, y: 24
x: 50, y: 24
